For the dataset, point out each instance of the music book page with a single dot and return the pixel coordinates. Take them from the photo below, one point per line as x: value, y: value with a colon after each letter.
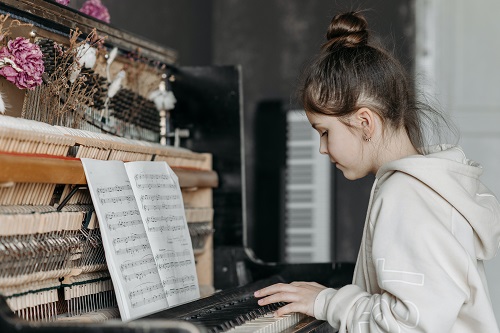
x: 146, y: 240
x: 160, y: 202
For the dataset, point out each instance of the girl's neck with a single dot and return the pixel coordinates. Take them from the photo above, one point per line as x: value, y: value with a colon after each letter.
x: 397, y: 146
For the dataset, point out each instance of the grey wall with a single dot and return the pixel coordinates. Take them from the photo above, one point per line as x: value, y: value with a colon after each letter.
x: 271, y: 40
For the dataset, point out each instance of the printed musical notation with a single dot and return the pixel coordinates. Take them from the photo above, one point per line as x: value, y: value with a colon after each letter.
x: 112, y: 215
x: 148, y: 300
x: 121, y: 198
x: 145, y: 236
x: 137, y: 263
x: 161, y: 206
x: 151, y: 186
x: 173, y: 255
x: 168, y: 228
x: 179, y: 280
x: 113, y: 189
x: 175, y: 264
x: 158, y: 176
x: 181, y: 290
x: 140, y: 275
x: 145, y: 289
x: 159, y: 197
x: 162, y: 210
x: 170, y: 218
x: 133, y: 249
x: 131, y: 238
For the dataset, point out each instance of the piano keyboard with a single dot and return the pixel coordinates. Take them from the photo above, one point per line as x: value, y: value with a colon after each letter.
x: 269, y: 323
x: 244, y: 315
x: 237, y: 311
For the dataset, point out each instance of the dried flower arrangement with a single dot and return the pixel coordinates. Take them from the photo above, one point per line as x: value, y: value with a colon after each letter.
x: 20, y: 60
x: 93, y: 8
x: 96, y: 9
x: 63, y: 2
x: 139, y: 86
x: 66, y: 94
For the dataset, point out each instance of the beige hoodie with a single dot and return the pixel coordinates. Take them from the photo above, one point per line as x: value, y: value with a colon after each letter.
x: 430, y: 224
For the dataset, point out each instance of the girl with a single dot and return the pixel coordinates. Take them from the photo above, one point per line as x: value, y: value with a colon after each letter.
x: 430, y: 221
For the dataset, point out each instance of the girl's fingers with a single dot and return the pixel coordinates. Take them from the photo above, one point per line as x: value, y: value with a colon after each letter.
x: 299, y: 295
x: 306, y: 284
x: 279, y: 297
x: 273, y: 289
x: 289, y: 308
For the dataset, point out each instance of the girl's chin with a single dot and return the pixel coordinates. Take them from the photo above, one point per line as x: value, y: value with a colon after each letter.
x: 349, y: 174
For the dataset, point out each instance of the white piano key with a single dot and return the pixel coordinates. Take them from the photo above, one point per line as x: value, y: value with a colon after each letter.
x: 268, y: 323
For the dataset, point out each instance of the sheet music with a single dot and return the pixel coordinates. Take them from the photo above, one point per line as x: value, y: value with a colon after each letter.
x: 159, y: 197
x: 130, y: 260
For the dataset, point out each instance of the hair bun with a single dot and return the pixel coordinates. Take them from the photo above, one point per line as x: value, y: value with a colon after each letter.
x: 348, y: 29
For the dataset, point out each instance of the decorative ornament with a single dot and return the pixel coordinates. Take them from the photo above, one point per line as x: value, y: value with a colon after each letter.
x: 21, y: 63
x: 110, y: 58
x: 116, y: 84
x: 96, y: 9
x: 86, y: 56
x: 113, y: 88
x: 164, y: 100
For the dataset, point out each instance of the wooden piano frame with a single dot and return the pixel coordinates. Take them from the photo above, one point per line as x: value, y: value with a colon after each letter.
x: 31, y: 168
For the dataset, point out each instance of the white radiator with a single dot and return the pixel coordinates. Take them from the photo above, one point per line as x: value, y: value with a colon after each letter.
x: 308, y: 203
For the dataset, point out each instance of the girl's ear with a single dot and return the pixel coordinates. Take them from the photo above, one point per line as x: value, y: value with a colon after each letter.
x: 364, y: 119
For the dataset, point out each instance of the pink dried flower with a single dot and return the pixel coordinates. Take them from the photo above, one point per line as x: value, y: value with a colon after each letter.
x: 96, y: 9
x: 21, y: 63
x: 63, y: 2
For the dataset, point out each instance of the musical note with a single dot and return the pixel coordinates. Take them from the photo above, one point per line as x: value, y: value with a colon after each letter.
x: 124, y: 224
x: 156, y: 186
x: 152, y: 176
x: 167, y: 228
x: 160, y: 207
x: 149, y: 300
x: 116, y: 188
x: 172, y: 255
x: 181, y: 290
x: 133, y: 249
x: 131, y: 238
x: 169, y: 218
x: 175, y: 264
x: 123, y: 198
x: 159, y: 197
x: 140, y: 275
x: 134, y: 212
x: 145, y: 289
x: 177, y: 280
x: 133, y: 264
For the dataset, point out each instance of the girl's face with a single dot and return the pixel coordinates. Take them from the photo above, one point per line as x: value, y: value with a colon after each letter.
x: 344, y: 145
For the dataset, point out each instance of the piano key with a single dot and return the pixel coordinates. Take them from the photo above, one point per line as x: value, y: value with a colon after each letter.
x: 268, y: 323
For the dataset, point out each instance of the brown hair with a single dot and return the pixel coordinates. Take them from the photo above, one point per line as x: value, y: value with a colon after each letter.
x: 350, y: 73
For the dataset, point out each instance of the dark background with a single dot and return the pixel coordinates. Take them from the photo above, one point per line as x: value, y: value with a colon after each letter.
x: 272, y: 40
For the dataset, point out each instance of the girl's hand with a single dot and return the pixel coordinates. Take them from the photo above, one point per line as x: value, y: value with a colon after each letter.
x: 300, y: 297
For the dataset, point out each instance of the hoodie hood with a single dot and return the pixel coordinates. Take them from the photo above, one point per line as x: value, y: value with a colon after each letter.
x: 449, y: 173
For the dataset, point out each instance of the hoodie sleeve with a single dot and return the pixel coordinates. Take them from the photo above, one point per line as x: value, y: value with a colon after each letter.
x: 420, y: 268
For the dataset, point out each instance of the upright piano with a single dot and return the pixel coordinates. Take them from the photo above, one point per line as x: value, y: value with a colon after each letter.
x: 53, y: 272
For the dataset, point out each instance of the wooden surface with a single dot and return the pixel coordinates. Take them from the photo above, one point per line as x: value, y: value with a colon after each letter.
x: 53, y: 170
